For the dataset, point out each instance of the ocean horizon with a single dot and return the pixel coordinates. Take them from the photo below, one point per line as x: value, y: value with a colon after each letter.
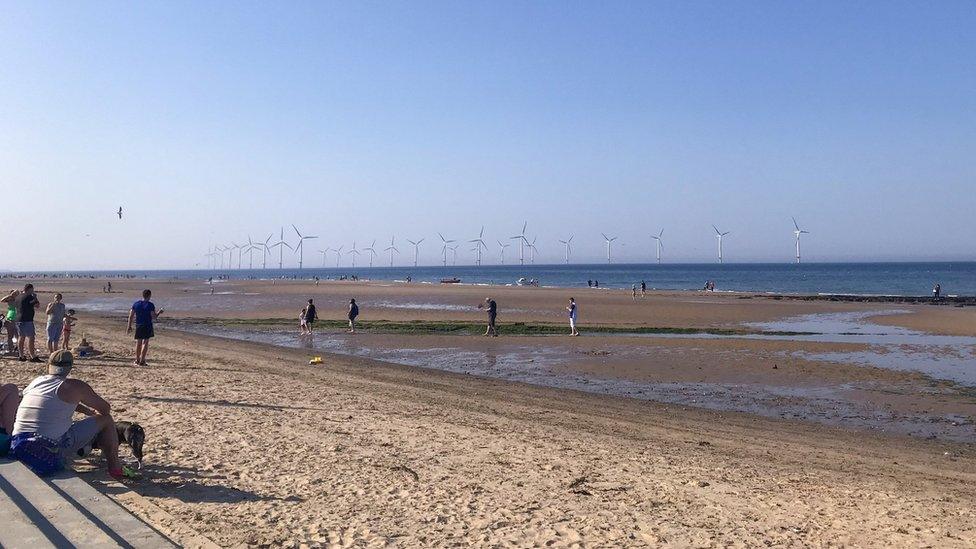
x: 861, y: 278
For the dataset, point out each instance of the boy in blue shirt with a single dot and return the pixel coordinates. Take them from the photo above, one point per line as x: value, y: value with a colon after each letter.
x: 143, y: 312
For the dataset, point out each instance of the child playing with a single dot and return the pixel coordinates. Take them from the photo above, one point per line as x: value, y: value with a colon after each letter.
x: 69, y: 321
x: 303, y: 325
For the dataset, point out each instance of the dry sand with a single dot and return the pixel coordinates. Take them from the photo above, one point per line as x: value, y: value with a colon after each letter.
x: 250, y: 445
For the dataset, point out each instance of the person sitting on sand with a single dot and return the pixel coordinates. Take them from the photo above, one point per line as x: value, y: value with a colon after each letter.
x: 353, y: 313
x: 9, y: 400
x: 44, y: 437
x: 69, y: 322
x: 144, y: 313
x: 572, y: 310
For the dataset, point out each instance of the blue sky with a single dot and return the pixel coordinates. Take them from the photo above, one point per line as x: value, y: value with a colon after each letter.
x: 212, y: 121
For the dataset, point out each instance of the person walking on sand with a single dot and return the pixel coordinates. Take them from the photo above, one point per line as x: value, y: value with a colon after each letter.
x: 572, y: 310
x: 144, y: 313
x: 633, y: 289
x: 643, y: 289
x: 311, y: 315
x: 492, y: 308
x: 55, y: 322
x: 302, y: 327
x: 26, y: 304
x: 353, y: 313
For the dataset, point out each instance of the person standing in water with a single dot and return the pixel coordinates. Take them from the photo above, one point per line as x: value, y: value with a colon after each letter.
x: 572, y: 310
x: 353, y: 313
x: 311, y: 315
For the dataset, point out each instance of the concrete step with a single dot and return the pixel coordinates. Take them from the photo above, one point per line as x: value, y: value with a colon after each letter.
x: 65, y: 511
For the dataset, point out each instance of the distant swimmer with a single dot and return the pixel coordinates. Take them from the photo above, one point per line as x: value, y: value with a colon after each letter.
x: 572, y: 309
x: 120, y: 212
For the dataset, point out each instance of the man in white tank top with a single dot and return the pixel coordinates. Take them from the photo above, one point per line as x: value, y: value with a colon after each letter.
x: 44, y: 436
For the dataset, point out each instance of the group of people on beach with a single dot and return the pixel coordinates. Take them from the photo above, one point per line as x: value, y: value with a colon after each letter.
x: 18, y: 322
x: 309, y: 314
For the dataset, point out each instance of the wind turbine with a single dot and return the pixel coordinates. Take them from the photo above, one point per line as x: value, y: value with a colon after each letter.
x: 372, y: 252
x: 338, y: 252
x: 720, y: 235
x: 392, y: 248
x: 416, y: 250
x: 567, y: 244
x: 281, y: 242
x: 533, y: 250
x: 353, y: 252
x: 301, y: 244
x: 609, y: 241
x: 267, y: 249
x: 503, y: 246
x: 454, y: 252
x: 478, y: 244
x: 797, y: 233
x: 659, y: 244
x: 219, y: 250
x: 239, y: 249
x: 251, y: 246
x: 444, y: 247
x: 324, y: 252
x: 522, y: 242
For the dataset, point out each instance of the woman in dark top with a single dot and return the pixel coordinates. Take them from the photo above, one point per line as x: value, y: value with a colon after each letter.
x: 353, y: 313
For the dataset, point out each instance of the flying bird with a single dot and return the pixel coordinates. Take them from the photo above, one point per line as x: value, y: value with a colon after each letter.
x: 120, y: 212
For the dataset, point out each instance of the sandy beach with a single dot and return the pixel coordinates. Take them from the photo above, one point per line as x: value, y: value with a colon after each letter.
x: 250, y: 445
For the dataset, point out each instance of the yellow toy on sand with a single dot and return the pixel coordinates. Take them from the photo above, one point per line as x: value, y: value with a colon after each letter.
x: 315, y: 360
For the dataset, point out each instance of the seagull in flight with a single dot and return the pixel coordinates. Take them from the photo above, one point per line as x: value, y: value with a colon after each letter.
x: 120, y: 212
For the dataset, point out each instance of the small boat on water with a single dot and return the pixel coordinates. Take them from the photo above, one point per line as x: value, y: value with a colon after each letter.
x: 454, y: 280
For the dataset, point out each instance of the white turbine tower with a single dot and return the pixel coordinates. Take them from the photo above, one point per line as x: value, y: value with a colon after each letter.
x: 301, y: 245
x: 444, y: 247
x: 797, y: 232
x: 338, y: 252
x: 220, y: 251
x: 533, y: 250
x: 454, y: 253
x: 609, y: 241
x: 372, y: 252
x: 353, y: 252
x: 567, y: 244
x: 659, y: 243
x: 239, y: 249
x: 267, y: 250
x: 279, y: 244
x: 392, y: 249
x: 522, y: 242
x: 324, y: 253
x: 720, y: 235
x: 251, y: 246
x: 416, y: 250
x: 479, y: 243
x: 503, y: 246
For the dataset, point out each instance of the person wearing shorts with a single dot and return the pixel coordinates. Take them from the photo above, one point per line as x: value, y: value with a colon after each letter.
x: 55, y: 322
x: 143, y: 313
x: 44, y: 436
x: 10, y: 319
x: 572, y: 310
x: 26, y: 304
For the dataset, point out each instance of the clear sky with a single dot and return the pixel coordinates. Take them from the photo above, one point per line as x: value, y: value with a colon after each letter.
x: 208, y: 122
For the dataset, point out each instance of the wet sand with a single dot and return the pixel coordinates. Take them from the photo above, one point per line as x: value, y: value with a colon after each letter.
x: 249, y: 445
